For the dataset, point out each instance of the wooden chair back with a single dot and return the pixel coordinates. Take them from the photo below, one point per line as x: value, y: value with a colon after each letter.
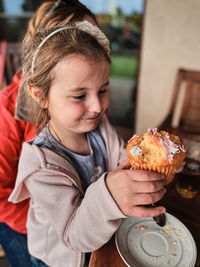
x: 13, y: 60
x: 184, y: 112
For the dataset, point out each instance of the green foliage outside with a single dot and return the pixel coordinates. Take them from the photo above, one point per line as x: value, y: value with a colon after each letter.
x: 124, y: 66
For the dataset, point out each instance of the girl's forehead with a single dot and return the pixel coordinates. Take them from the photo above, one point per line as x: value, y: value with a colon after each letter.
x: 78, y: 68
x: 78, y: 60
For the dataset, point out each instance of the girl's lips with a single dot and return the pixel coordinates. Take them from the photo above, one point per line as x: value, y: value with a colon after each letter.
x: 95, y: 117
x: 91, y: 118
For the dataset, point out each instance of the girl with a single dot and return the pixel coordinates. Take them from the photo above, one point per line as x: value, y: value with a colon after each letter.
x: 15, y: 132
x: 79, y: 193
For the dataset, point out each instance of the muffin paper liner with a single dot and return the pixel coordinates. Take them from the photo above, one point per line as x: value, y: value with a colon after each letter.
x: 168, y: 171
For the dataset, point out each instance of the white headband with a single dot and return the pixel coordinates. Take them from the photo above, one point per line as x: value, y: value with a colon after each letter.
x: 84, y: 26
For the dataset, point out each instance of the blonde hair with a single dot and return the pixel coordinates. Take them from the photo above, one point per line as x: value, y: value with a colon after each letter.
x: 69, y: 41
x: 40, y: 21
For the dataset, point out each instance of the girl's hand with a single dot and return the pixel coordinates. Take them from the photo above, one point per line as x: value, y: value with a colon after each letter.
x: 180, y: 167
x: 133, y: 189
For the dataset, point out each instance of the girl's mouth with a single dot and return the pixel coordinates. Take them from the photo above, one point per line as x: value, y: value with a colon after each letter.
x: 92, y: 118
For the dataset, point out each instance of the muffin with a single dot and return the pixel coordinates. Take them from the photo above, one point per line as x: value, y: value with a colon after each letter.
x: 157, y: 151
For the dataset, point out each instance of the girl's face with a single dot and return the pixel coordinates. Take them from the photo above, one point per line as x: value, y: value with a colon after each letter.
x: 78, y: 95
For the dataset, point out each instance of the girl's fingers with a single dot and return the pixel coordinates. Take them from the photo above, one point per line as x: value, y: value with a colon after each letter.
x: 142, y: 175
x: 147, y: 187
x: 180, y: 168
x: 142, y: 211
x: 124, y: 165
x: 146, y: 199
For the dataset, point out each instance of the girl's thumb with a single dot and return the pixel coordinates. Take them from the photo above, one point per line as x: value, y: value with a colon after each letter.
x: 125, y: 165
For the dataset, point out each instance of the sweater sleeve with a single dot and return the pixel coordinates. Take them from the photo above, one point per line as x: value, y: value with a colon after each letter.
x: 83, y: 222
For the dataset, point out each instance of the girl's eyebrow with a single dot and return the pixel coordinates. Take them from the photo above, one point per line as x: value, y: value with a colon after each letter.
x: 105, y: 84
x: 83, y: 88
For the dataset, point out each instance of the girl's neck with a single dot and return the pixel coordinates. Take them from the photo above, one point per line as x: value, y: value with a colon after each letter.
x: 75, y: 142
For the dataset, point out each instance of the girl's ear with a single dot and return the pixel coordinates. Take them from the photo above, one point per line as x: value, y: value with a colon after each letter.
x: 35, y: 93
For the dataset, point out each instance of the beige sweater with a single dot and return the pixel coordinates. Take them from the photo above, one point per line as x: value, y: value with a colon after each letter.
x: 63, y: 221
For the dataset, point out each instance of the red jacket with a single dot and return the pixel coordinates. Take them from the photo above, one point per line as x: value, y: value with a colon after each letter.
x: 13, y: 133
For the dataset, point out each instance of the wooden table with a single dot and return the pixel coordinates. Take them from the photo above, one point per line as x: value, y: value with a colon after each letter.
x: 107, y: 256
x: 186, y: 210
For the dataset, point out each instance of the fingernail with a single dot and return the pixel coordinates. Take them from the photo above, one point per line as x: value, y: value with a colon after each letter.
x: 164, y: 190
x: 163, y: 210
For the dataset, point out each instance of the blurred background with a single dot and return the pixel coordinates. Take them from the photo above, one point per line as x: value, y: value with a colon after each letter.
x: 121, y: 21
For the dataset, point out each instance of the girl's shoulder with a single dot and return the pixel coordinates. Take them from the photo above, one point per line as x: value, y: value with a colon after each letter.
x: 42, y: 164
x: 41, y: 158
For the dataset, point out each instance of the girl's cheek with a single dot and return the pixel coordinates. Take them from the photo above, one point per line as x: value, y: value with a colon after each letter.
x: 78, y: 109
x: 106, y: 103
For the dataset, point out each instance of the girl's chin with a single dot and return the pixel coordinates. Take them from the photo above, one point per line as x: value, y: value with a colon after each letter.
x: 91, y: 126
x: 89, y: 129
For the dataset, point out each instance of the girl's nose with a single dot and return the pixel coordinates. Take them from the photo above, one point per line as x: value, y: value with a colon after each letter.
x: 95, y: 105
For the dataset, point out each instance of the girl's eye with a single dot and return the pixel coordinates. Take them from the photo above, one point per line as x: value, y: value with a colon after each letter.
x: 83, y: 96
x: 103, y: 92
x: 79, y: 97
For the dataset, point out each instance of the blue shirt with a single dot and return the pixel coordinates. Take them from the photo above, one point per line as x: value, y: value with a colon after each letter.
x: 89, y: 167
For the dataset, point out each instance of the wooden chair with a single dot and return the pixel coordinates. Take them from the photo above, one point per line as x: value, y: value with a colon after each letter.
x: 184, y: 113
x: 13, y: 60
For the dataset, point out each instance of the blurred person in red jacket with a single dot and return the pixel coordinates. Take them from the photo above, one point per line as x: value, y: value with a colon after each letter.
x: 16, y: 129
